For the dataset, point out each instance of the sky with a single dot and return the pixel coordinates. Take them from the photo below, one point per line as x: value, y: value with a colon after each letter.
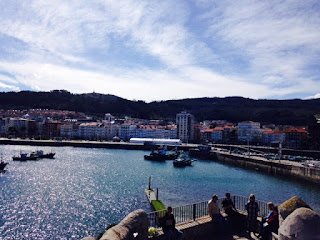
x: 159, y: 50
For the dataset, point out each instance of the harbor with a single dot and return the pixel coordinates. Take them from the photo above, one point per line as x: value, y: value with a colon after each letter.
x: 50, y: 195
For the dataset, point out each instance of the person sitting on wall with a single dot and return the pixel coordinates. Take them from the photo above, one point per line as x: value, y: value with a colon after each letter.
x: 252, y: 208
x: 265, y: 219
x: 214, y: 213
x: 169, y: 226
x: 236, y: 219
x: 271, y: 225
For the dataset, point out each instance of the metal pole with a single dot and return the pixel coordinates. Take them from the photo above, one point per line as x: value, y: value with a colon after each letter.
x: 194, y: 211
x: 157, y: 194
x: 149, y: 183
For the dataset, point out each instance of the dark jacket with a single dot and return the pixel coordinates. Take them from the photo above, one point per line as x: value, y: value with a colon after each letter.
x: 274, y: 223
x: 168, y: 222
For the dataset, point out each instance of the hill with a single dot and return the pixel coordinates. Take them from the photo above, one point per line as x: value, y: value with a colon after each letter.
x: 234, y: 109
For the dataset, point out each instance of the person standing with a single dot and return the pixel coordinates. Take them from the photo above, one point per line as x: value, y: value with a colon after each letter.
x: 214, y: 213
x: 252, y: 208
x: 169, y: 226
x: 237, y: 221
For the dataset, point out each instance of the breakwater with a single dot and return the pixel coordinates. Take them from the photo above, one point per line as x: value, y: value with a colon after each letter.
x: 273, y: 167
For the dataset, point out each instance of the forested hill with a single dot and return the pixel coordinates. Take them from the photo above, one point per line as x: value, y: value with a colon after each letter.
x: 234, y: 109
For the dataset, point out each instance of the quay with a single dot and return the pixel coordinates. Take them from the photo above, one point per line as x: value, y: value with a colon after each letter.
x: 274, y: 167
x: 89, y: 144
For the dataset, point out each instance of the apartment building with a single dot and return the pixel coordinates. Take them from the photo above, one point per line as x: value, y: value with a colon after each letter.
x: 249, y: 131
x: 185, y: 127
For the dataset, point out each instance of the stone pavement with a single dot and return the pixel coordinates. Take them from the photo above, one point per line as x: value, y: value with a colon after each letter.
x: 201, y: 229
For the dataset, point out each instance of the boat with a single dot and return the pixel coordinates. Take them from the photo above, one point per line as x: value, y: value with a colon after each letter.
x: 40, y: 154
x: 3, y: 165
x: 183, y: 160
x: 24, y: 157
x: 161, y: 155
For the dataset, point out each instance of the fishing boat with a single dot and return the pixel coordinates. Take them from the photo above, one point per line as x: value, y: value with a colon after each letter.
x: 183, y: 160
x: 161, y: 155
x: 40, y: 154
x: 24, y: 157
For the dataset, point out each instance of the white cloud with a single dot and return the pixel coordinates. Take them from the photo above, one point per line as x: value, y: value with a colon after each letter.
x: 248, y: 48
x: 276, y: 38
x: 314, y: 96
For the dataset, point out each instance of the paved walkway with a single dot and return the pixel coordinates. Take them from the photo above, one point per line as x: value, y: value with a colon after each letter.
x: 204, y: 220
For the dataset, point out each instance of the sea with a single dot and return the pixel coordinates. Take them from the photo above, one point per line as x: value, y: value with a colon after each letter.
x: 83, y: 190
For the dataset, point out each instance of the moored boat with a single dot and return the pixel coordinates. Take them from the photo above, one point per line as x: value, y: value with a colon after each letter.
x: 24, y: 157
x: 40, y: 154
x: 182, y: 161
x: 161, y: 155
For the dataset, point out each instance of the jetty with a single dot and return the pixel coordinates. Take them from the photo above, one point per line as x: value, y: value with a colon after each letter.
x: 153, y: 198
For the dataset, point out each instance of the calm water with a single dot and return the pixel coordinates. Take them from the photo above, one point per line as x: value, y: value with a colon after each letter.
x: 82, y: 191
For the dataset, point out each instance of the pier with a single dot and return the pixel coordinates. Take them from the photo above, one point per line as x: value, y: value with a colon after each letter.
x: 153, y: 199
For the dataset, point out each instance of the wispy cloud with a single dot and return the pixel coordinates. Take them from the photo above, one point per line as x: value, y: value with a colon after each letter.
x: 156, y: 50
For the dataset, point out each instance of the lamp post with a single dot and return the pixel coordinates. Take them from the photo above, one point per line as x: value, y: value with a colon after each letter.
x: 248, y: 141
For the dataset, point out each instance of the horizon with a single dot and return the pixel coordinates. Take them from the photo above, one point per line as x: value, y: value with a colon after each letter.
x: 162, y: 50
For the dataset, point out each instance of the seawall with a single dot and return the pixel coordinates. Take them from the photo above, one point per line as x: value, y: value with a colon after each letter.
x: 273, y: 167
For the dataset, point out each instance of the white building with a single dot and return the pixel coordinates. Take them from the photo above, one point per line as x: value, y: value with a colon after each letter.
x: 127, y: 131
x: 217, y: 134
x: 92, y: 130
x: 185, y: 127
x: 249, y: 131
x: 111, y: 130
x: 156, y: 131
x: 156, y: 141
x: 20, y: 125
x: 70, y: 131
x: 108, y: 117
x: 273, y: 137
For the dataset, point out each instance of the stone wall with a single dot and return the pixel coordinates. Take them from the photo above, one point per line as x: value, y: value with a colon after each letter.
x: 133, y: 227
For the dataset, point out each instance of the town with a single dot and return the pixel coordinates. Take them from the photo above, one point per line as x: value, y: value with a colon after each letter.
x: 71, y: 125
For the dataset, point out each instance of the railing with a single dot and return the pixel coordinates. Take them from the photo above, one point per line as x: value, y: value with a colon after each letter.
x: 240, y: 203
x: 192, y: 211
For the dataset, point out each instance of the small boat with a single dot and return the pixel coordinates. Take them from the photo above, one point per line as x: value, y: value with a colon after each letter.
x: 40, y: 154
x: 24, y: 157
x: 161, y: 155
x: 183, y: 161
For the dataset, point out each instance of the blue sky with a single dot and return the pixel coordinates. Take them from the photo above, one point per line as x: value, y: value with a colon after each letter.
x: 158, y: 50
